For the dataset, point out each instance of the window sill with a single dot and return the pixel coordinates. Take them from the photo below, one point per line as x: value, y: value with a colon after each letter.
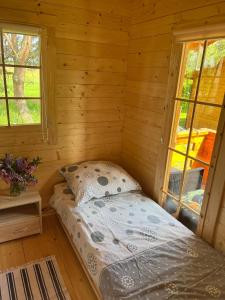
x: 20, y: 128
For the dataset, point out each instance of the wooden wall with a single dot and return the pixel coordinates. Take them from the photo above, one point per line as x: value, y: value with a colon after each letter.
x: 95, y: 69
x: 149, y: 49
x: 219, y: 239
x: 91, y: 39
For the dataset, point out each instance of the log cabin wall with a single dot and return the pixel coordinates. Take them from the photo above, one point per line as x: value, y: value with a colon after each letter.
x: 219, y: 239
x: 91, y: 39
x: 91, y: 70
x: 152, y: 24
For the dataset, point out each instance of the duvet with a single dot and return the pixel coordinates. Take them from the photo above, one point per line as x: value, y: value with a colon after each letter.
x: 133, y: 249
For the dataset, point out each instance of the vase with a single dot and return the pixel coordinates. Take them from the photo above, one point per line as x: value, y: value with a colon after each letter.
x: 16, y: 189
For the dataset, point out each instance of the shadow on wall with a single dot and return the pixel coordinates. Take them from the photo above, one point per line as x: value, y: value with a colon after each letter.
x: 89, y: 123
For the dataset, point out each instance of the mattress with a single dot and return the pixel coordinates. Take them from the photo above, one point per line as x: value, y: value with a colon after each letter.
x: 133, y: 249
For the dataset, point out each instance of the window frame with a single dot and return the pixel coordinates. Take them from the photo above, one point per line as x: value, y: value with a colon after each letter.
x: 215, y: 184
x: 47, y: 127
x: 26, y: 30
x: 172, y: 149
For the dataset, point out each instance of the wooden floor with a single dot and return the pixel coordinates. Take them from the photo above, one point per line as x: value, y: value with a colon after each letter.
x: 53, y: 241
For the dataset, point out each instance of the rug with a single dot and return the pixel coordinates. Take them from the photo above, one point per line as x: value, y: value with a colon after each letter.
x: 38, y: 280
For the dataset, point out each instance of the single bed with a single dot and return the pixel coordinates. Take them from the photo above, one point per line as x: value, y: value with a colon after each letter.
x: 133, y: 249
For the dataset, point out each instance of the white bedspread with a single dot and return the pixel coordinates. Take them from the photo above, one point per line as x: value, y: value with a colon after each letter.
x: 134, y: 249
x: 113, y: 228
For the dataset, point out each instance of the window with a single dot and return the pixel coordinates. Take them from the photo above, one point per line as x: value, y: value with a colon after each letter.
x: 199, y: 102
x: 20, y: 76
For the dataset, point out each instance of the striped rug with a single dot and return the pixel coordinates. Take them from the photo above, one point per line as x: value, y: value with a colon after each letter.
x: 37, y: 280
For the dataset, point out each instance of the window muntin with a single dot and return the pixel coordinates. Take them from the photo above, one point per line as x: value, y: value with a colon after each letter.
x: 198, y: 104
x: 20, y: 73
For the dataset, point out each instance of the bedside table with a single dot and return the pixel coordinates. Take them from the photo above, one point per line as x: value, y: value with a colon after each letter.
x: 20, y: 216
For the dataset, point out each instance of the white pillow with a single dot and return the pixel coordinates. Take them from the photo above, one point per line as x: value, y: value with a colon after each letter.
x: 97, y: 179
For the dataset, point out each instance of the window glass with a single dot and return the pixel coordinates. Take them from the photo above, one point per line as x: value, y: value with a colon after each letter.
x: 21, y: 71
x: 212, y: 85
x: 0, y: 51
x: 170, y: 204
x: 182, y: 122
x: 175, y: 172
x: 204, y: 130
x: 2, y: 89
x: 189, y: 75
x: 198, y: 105
x: 195, y: 181
x: 23, y: 82
x: 21, y: 49
x: 23, y: 111
x: 3, y: 113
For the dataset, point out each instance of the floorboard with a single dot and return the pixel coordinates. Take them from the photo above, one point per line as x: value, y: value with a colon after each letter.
x: 53, y: 241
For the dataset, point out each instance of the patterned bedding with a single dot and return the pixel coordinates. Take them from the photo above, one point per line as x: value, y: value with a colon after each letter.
x: 134, y: 249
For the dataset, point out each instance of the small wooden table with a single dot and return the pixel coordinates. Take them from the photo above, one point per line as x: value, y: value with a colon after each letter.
x: 20, y: 216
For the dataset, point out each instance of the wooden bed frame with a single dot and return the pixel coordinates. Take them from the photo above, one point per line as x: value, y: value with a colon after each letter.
x: 97, y: 293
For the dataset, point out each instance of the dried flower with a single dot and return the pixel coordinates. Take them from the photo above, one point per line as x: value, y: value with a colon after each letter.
x: 18, y: 170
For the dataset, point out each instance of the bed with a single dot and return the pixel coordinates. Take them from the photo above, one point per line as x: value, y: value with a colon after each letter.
x: 133, y: 249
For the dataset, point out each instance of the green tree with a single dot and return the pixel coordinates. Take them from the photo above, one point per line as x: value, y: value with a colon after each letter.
x: 215, y: 52
x: 21, y: 50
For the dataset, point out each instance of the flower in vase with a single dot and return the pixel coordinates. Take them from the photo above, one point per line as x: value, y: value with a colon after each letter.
x: 18, y: 172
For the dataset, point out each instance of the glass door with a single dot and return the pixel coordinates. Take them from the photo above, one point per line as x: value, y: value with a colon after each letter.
x: 198, y: 104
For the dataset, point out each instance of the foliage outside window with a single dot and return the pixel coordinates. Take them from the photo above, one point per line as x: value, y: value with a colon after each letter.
x: 20, y: 73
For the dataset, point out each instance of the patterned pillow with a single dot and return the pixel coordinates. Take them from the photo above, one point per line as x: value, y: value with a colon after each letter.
x: 97, y: 179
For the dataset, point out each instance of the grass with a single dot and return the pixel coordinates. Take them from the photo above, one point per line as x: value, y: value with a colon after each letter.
x: 183, y: 117
x: 31, y: 89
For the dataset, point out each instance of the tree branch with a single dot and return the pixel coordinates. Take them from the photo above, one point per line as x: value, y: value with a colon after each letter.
x: 25, y: 50
x: 12, y: 43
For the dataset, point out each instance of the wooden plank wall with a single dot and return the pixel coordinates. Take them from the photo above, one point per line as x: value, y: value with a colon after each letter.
x: 219, y: 239
x: 149, y: 49
x: 93, y: 62
x: 91, y: 44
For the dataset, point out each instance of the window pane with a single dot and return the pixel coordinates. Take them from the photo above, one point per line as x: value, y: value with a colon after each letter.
x: 182, y: 121
x: 194, y: 184
x: 170, y: 204
x: 0, y: 51
x: 2, y: 90
x: 21, y: 49
x: 175, y: 172
x: 3, y: 113
x: 22, y: 82
x: 25, y: 111
x: 188, y: 218
x: 212, y: 85
x: 204, y: 132
x: 192, y: 57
